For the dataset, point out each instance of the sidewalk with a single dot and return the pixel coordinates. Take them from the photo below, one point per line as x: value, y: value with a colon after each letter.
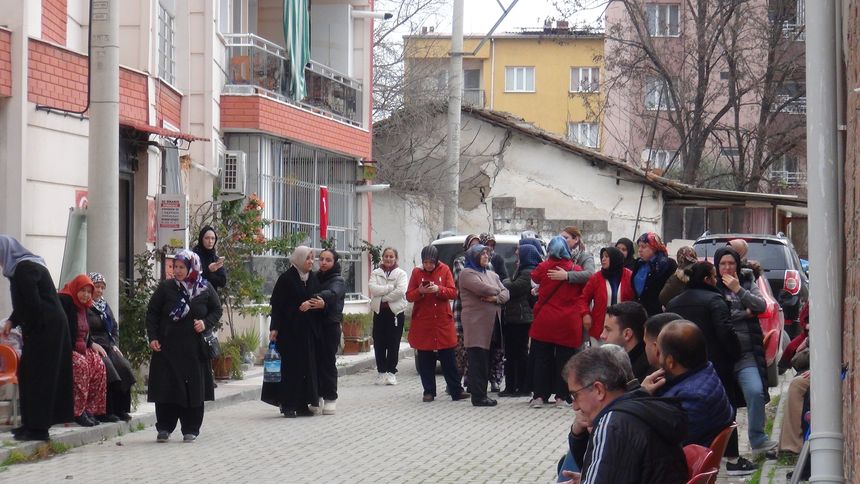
x: 227, y: 393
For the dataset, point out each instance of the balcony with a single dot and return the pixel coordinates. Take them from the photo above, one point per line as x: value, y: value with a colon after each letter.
x: 258, y: 66
x: 788, y: 179
x: 473, y: 97
x: 789, y: 104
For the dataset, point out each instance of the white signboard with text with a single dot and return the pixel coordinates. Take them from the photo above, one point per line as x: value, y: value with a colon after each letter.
x: 172, y: 220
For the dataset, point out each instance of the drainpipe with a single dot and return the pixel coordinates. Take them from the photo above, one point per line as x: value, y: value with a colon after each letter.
x: 103, y: 211
x: 825, y: 243
x: 492, y: 72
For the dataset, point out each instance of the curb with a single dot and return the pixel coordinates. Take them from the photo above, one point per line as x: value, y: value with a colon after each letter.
x: 88, y: 435
x: 770, y: 465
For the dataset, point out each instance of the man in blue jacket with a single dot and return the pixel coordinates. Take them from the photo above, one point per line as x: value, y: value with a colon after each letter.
x: 686, y: 374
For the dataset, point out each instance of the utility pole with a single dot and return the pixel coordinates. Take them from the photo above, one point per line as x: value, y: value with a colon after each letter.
x: 455, y: 102
x: 103, y: 174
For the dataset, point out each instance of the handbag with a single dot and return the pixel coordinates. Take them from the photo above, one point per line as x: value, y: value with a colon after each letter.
x: 211, y: 344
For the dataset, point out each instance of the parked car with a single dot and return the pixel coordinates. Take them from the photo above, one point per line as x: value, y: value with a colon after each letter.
x: 451, y: 247
x: 780, y: 266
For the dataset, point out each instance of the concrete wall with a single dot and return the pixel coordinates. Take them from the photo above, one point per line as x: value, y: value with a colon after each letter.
x: 407, y: 222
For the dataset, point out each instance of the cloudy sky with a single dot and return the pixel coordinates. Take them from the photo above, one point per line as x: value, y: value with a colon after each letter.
x: 482, y: 14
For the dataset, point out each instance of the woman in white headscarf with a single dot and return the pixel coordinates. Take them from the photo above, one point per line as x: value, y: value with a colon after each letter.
x: 295, y: 329
x: 180, y: 372
x: 45, y: 373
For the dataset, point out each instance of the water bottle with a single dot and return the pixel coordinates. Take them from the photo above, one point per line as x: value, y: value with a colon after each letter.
x: 272, y: 365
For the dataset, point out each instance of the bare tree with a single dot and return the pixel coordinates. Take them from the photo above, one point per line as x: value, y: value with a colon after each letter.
x: 719, y: 87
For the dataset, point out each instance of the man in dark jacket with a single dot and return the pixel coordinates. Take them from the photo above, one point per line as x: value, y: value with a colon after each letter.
x: 625, y: 326
x: 686, y: 374
x: 636, y: 438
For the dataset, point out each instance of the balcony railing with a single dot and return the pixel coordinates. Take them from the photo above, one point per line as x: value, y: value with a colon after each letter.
x: 788, y: 179
x: 473, y: 97
x: 256, y: 65
x: 789, y: 105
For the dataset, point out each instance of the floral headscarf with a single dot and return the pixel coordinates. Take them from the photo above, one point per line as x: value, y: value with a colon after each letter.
x: 473, y: 257
x: 686, y: 257
x: 100, y: 303
x: 193, y: 285
x: 558, y: 249
x: 654, y: 241
x: 74, y: 286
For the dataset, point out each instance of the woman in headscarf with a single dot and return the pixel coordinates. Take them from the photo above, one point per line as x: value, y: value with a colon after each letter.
x: 459, y: 264
x: 483, y: 295
x: 212, y: 265
x: 45, y: 374
x: 431, y: 331
x: 104, y: 330
x: 626, y: 247
x: 578, y: 255
x: 651, y: 272
x: 685, y: 258
x: 295, y: 329
x: 745, y: 303
x: 180, y: 371
x: 388, y: 284
x: 518, y: 320
x: 497, y: 349
x: 88, y: 366
x: 332, y: 292
x: 610, y: 285
x: 556, y: 331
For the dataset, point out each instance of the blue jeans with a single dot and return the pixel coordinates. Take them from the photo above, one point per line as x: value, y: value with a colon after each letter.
x: 569, y: 464
x: 750, y: 382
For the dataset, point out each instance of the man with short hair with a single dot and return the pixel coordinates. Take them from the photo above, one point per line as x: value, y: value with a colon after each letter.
x: 636, y: 438
x: 653, y: 325
x: 686, y: 374
x: 624, y: 326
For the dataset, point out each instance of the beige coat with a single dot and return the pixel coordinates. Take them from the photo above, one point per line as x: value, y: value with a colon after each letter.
x: 477, y: 316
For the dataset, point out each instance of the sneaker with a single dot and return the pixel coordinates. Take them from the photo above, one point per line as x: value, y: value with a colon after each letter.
x: 84, y: 421
x: 427, y: 398
x: 768, y: 445
x: 559, y: 403
x: 189, y: 438
x: 743, y: 467
x: 390, y: 379
x: 536, y: 402
x: 329, y: 407
x: 380, y: 379
x: 107, y: 418
x: 162, y: 437
x: 494, y: 387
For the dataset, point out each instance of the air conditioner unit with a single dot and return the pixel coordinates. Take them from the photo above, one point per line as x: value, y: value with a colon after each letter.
x: 233, y: 172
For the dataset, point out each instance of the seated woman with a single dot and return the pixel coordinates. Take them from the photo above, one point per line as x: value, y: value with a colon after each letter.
x: 90, y: 383
x: 105, y: 331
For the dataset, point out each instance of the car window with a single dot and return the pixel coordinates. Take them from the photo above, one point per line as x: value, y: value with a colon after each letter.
x: 771, y: 256
x: 449, y: 252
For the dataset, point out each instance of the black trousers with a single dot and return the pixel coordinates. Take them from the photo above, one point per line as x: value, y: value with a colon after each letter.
x: 427, y: 371
x: 479, y: 372
x: 166, y: 415
x: 118, y: 400
x: 326, y: 354
x: 516, y: 357
x: 547, y: 360
x: 387, y: 333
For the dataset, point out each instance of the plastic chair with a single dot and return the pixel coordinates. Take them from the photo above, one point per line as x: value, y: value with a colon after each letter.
x: 9, y: 375
x: 696, y: 458
x: 704, y: 477
x: 721, y: 441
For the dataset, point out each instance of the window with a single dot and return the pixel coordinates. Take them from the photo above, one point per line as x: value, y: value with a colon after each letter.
x: 519, y: 79
x: 166, y: 44
x: 663, y: 20
x: 225, y: 11
x: 730, y: 153
x: 472, y: 79
x: 659, y: 158
x: 584, y: 79
x: 657, y: 94
x: 584, y: 134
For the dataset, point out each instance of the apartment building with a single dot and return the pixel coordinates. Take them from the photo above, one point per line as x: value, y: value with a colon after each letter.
x: 549, y: 76
x: 204, y: 85
x: 630, y: 130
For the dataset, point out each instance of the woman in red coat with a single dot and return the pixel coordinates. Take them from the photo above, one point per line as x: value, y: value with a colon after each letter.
x: 431, y: 331
x: 556, y: 331
x: 608, y: 286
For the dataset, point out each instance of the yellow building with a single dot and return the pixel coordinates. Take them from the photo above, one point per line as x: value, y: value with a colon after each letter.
x: 549, y: 76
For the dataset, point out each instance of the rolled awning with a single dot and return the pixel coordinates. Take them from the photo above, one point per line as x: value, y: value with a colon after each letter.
x: 296, y: 36
x: 164, y: 132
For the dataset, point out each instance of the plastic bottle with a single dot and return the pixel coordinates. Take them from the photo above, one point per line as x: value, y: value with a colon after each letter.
x: 272, y: 365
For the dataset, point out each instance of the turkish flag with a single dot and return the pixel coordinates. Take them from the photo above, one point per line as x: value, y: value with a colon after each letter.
x: 323, y: 213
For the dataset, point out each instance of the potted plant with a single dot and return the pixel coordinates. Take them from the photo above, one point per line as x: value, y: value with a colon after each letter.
x: 229, y: 364
x: 356, y: 332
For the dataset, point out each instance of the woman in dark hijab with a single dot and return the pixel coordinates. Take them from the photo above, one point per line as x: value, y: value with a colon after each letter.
x: 330, y: 301
x: 213, y: 266
x: 610, y: 285
x: 518, y: 320
x: 45, y: 373
x: 627, y: 249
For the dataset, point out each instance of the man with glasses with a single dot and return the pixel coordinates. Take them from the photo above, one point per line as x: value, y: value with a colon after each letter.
x: 634, y: 438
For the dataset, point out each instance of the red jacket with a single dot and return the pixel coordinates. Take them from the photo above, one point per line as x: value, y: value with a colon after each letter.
x: 557, y: 319
x: 597, y: 290
x: 432, y: 325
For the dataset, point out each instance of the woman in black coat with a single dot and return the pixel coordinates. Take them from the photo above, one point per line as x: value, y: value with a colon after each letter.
x: 212, y: 265
x: 518, y: 320
x: 295, y: 329
x: 651, y: 272
x: 45, y: 372
x: 180, y: 371
x: 332, y: 291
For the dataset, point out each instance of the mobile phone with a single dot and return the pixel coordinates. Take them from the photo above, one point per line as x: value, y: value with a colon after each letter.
x: 425, y: 283
x: 221, y: 259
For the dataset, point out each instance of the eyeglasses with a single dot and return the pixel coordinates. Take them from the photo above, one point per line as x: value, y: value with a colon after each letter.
x: 574, y: 392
